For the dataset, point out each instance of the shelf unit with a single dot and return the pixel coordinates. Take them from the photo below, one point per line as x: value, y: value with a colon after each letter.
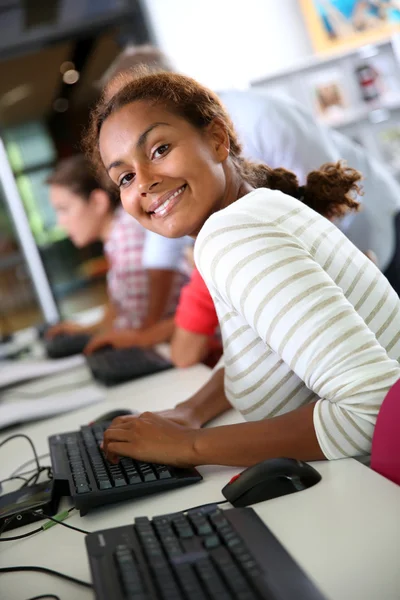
x: 363, y: 121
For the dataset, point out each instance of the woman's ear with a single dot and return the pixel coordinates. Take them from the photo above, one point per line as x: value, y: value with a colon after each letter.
x: 100, y: 202
x: 219, y: 137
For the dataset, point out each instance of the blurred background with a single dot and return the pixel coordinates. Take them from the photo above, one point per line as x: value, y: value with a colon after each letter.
x: 53, y: 52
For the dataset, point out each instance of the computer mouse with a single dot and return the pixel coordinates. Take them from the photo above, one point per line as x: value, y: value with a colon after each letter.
x: 270, y: 479
x: 113, y: 414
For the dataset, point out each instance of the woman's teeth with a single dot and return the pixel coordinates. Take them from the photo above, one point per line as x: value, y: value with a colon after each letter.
x: 161, y: 209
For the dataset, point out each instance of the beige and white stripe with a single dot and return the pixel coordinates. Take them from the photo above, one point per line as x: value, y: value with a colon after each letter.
x: 304, y: 317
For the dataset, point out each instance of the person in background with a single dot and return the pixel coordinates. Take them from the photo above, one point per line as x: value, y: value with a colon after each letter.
x: 139, y: 296
x: 310, y: 326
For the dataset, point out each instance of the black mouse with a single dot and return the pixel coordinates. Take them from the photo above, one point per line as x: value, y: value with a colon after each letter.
x: 112, y: 414
x: 270, y: 479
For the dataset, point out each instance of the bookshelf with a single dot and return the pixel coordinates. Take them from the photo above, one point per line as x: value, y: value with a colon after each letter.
x: 329, y: 86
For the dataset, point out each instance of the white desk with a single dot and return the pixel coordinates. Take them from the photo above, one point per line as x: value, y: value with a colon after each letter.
x: 345, y: 532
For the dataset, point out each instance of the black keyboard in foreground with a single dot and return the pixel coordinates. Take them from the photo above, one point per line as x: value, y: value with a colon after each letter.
x: 80, y: 470
x: 200, y: 555
x: 116, y: 365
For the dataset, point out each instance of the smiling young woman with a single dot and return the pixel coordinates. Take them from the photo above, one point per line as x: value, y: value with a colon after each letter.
x: 310, y: 327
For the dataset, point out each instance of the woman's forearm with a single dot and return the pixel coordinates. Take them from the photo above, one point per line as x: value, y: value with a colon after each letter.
x: 290, y: 435
x: 210, y: 401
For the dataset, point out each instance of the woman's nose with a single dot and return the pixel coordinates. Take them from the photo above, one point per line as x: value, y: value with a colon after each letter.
x: 146, y: 180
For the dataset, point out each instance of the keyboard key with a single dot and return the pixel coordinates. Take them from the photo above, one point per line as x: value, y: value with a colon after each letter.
x: 189, y: 582
x: 104, y: 484
x: 162, y: 472
x: 232, y: 575
x: 215, y: 587
x: 211, y: 541
x: 82, y: 488
x: 130, y: 575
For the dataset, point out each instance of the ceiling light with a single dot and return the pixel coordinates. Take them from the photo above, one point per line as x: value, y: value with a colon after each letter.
x: 71, y: 76
x: 66, y: 66
x: 60, y: 105
x: 21, y: 92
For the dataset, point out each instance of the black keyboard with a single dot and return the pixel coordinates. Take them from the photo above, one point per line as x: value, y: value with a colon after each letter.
x: 63, y: 345
x: 201, y: 555
x: 116, y: 365
x: 81, y: 471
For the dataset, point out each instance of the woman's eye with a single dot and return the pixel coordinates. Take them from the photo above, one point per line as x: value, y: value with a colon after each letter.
x: 160, y: 150
x: 126, y: 179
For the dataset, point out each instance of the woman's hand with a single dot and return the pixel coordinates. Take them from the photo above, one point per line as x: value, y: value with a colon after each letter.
x: 182, y: 415
x: 117, y: 338
x: 151, y: 438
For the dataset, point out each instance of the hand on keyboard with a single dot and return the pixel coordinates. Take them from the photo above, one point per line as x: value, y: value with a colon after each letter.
x: 65, y: 328
x: 150, y: 438
x: 115, y: 338
x: 181, y: 414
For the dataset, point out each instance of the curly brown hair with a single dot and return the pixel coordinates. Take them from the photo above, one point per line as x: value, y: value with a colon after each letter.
x: 331, y: 190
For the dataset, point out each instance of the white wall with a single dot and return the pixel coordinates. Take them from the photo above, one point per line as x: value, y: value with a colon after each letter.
x: 227, y: 43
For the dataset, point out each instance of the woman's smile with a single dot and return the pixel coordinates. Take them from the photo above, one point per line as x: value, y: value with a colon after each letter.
x: 164, y: 205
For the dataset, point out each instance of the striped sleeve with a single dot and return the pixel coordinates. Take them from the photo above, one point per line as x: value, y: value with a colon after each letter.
x: 294, y: 306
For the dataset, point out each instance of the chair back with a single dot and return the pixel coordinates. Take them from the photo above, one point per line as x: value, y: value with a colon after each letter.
x: 385, y: 453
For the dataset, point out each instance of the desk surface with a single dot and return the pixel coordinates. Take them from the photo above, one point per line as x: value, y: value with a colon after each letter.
x: 345, y: 532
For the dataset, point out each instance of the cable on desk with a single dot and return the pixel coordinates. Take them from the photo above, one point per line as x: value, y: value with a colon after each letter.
x: 56, y: 520
x: 47, y: 572
x: 15, y: 477
x: 16, y: 537
x: 26, y: 437
x: 28, y: 462
x: 205, y: 505
x: 43, y: 596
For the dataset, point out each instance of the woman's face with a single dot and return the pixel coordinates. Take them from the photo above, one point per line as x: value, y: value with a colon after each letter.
x: 77, y: 216
x: 171, y: 176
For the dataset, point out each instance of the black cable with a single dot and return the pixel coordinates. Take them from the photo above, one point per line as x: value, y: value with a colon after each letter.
x: 18, y: 435
x: 48, y: 572
x: 65, y: 524
x: 24, y: 473
x: 45, y: 596
x: 28, y: 462
x: 42, y: 528
x: 19, y: 537
x: 204, y: 505
x: 32, y: 480
x: 16, y: 477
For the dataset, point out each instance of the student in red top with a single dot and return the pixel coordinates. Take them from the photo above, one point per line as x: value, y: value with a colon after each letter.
x: 196, y: 322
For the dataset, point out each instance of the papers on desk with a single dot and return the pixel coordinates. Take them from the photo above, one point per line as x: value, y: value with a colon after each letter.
x: 19, y: 411
x: 13, y: 372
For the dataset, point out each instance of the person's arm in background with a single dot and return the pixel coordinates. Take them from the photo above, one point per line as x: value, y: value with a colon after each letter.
x: 196, y: 321
x: 163, y: 259
x: 71, y: 327
x: 160, y: 286
x: 205, y: 405
x: 125, y: 338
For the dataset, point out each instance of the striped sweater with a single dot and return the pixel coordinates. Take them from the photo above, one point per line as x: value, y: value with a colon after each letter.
x: 304, y: 315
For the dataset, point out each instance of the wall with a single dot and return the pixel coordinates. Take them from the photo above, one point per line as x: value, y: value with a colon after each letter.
x: 227, y: 43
